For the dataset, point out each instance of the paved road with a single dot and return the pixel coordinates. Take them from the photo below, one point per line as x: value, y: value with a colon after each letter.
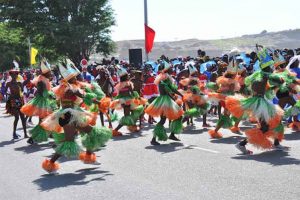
x: 196, y: 168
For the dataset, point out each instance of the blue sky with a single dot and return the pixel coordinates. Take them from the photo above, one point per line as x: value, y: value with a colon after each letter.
x: 209, y: 19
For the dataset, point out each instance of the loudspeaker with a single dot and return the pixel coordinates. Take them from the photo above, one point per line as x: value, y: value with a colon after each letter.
x: 136, y: 57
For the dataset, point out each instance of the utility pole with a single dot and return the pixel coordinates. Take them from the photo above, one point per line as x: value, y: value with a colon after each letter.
x: 146, y: 23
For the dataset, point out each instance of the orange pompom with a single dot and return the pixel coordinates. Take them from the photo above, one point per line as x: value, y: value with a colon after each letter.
x: 50, y: 166
x: 87, y: 158
x: 234, y: 106
x: 258, y: 138
x: 214, y: 134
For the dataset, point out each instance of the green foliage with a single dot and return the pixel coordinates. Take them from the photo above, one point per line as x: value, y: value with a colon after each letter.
x: 13, y: 47
x: 73, y: 28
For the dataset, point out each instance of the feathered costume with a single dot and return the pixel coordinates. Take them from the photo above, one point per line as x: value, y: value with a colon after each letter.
x: 42, y: 105
x: 127, y: 99
x: 165, y: 107
x: 261, y: 107
x: 70, y: 121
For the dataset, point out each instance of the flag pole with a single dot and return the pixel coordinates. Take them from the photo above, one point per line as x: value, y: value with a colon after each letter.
x: 146, y: 23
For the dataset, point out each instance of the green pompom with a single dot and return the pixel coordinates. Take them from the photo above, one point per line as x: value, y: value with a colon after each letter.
x: 59, y: 137
x: 127, y: 121
x: 176, y: 126
x: 114, y: 117
x: 279, y: 128
x: 160, y: 132
x: 212, y: 86
x: 88, y: 98
x: 96, y: 138
x: 68, y: 149
x: 193, y: 112
x: 38, y: 134
x: 137, y: 112
x: 98, y: 91
x: 135, y: 94
x: 225, y: 121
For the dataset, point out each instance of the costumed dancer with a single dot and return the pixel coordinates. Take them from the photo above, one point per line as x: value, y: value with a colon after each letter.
x: 286, y: 91
x: 42, y: 105
x: 71, y: 121
x: 129, y: 101
x: 165, y: 107
x: 150, y: 89
x: 227, y: 86
x: 194, y: 99
x: 29, y: 91
x: 15, y: 102
x: 269, y: 116
x: 106, y: 83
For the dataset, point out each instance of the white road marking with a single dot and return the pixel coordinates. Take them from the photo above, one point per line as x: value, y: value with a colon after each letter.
x: 202, y: 149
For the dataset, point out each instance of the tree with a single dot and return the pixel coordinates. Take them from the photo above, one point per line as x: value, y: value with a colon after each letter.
x: 73, y: 28
x: 13, y: 47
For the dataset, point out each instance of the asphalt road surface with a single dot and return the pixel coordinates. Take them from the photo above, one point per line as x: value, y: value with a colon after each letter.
x: 195, y: 168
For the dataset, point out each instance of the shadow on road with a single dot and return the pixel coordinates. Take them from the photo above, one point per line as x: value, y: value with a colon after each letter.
x: 228, y: 140
x: 128, y: 136
x: 167, y: 148
x: 79, y: 177
x: 190, y: 130
x: 292, y: 136
x: 34, y: 148
x: 275, y: 158
x: 9, y: 142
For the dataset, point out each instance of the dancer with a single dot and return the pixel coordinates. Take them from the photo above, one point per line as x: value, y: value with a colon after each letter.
x: 69, y: 122
x: 258, y: 105
x: 129, y: 101
x: 227, y: 85
x: 42, y: 105
x: 194, y: 99
x: 15, y: 102
x: 150, y: 90
x: 106, y: 83
x: 165, y: 107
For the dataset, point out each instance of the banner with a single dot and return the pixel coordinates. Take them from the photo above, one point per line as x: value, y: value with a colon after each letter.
x: 33, y: 53
x: 149, y: 38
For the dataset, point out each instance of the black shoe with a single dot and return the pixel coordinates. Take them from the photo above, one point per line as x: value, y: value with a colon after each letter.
x: 154, y: 142
x: 15, y: 136
x: 173, y: 137
x: 30, y: 141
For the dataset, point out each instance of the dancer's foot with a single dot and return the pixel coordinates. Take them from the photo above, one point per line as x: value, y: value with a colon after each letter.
x: 150, y: 121
x: 88, y: 158
x: 235, y: 129
x: 173, y: 137
x: 15, y: 136
x: 243, y: 149
x: 214, y: 134
x: 50, y: 167
x: 133, y: 129
x: 116, y: 133
x: 30, y: 141
x: 206, y: 125
x: 154, y: 142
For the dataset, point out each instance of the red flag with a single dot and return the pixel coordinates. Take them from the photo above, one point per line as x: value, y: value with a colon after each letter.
x: 149, y: 38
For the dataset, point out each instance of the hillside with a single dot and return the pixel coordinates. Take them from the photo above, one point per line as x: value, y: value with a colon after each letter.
x: 282, y: 39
